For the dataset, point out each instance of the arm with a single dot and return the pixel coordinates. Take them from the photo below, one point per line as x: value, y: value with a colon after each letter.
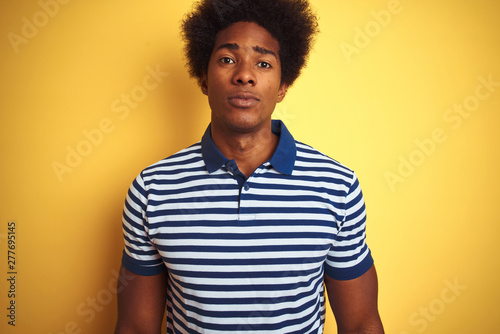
x: 354, y: 304
x: 141, y: 303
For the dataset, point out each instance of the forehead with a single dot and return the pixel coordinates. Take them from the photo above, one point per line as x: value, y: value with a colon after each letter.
x: 247, y: 35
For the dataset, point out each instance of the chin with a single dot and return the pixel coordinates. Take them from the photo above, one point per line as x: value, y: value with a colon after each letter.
x: 244, y: 125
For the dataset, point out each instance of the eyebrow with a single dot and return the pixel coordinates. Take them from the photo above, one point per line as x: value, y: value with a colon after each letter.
x: 259, y: 49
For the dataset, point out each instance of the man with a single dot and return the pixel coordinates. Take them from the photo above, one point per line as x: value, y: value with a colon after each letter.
x: 238, y: 233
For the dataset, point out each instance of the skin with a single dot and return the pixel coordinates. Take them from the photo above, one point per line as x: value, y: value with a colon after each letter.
x: 245, y: 60
x: 141, y: 303
x: 243, y: 85
x: 354, y: 303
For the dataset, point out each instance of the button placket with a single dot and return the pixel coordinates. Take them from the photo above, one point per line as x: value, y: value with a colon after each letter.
x: 244, y: 214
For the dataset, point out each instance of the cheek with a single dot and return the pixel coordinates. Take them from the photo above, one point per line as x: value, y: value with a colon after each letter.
x: 215, y: 83
x: 272, y: 87
x: 276, y: 81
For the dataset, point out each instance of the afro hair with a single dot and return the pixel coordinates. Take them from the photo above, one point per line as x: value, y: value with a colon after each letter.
x: 291, y: 22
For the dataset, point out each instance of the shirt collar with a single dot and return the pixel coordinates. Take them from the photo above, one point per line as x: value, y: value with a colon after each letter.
x: 283, y: 159
x: 211, y: 155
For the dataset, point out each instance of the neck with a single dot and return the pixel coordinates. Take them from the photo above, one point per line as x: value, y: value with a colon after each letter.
x: 249, y: 150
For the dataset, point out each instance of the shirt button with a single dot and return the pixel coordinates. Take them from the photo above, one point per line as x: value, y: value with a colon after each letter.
x: 246, y: 186
x: 231, y: 167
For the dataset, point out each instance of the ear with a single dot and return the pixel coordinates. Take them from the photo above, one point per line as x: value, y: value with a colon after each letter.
x: 282, y: 92
x: 204, y: 83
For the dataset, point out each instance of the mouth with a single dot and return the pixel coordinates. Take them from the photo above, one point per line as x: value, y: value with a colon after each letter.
x: 243, y: 100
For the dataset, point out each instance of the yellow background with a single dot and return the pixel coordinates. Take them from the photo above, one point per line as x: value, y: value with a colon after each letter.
x: 432, y: 224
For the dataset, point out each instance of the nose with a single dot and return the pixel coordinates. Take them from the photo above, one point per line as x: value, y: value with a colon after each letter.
x: 244, y: 74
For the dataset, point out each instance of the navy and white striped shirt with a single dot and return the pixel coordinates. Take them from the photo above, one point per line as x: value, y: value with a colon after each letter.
x: 246, y: 255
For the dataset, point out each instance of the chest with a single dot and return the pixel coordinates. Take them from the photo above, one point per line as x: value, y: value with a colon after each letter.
x: 219, y: 225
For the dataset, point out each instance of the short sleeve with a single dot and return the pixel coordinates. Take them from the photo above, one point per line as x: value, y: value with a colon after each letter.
x: 349, y: 257
x: 140, y: 255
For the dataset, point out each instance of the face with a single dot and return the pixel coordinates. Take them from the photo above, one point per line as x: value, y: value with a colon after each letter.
x: 243, y: 83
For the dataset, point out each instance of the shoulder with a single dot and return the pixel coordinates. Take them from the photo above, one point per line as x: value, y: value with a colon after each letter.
x: 314, y: 161
x: 180, y: 159
x: 184, y: 161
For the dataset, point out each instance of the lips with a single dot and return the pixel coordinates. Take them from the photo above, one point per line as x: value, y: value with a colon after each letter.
x: 243, y: 100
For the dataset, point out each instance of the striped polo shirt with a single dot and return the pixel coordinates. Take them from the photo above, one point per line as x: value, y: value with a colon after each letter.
x: 246, y: 255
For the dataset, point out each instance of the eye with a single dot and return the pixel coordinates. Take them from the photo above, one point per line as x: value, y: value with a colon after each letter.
x: 264, y: 64
x: 226, y: 60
